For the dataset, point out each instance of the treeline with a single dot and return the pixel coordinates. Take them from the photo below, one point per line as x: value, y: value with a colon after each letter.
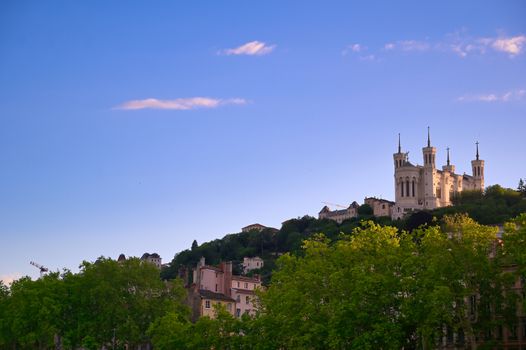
x: 106, y: 304
x: 379, y: 288
x: 493, y: 206
x: 376, y: 287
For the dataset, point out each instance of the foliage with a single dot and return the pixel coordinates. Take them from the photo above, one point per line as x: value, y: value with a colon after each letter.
x: 106, y: 302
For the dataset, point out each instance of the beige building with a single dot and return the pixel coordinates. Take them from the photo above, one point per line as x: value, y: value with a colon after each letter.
x: 420, y: 187
x: 381, y: 207
x: 339, y: 215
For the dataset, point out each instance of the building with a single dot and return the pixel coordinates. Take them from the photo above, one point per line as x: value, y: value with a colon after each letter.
x: 381, y: 207
x: 420, y: 187
x: 339, y: 215
x: 217, y: 285
x: 253, y: 227
x: 250, y: 264
x: 243, y: 292
x: 153, y: 259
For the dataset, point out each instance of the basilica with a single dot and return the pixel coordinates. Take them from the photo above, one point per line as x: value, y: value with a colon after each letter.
x: 419, y: 187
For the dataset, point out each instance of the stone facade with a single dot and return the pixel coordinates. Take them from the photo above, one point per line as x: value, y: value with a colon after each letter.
x: 253, y: 227
x: 426, y: 187
x: 381, y: 207
x: 339, y: 215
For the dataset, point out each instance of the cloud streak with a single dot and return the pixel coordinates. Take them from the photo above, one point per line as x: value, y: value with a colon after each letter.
x: 360, y: 51
x: 180, y: 104
x: 458, y: 43
x: 509, y: 96
x: 252, y: 48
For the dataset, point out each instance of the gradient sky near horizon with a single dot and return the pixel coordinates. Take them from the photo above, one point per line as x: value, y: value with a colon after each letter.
x: 139, y: 126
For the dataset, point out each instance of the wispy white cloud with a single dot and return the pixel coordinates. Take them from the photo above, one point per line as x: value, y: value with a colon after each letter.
x: 408, y: 45
x: 353, y: 48
x: 463, y: 45
x: 253, y: 48
x: 9, y: 278
x: 360, y: 51
x: 512, y: 95
x: 179, y: 103
x: 513, y: 46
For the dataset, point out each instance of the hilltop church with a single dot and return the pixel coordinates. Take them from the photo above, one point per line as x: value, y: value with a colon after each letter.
x: 426, y: 187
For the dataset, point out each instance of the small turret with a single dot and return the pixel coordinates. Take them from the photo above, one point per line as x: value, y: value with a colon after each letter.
x: 399, y: 157
x: 429, y: 152
x: 448, y: 166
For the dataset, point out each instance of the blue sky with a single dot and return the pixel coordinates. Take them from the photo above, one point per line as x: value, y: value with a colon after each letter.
x: 133, y: 126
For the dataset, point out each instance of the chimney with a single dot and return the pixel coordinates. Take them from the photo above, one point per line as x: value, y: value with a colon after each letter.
x: 228, y: 278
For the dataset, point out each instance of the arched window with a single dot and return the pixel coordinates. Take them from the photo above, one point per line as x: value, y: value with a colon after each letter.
x: 407, y: 188
x: 401, y: 188
x: 413, y: 188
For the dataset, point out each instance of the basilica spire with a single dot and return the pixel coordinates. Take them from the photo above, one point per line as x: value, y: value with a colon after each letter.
x: 428, y: 138
x: 477, y: 143
x: 399, y: 145
x: 448, y: 156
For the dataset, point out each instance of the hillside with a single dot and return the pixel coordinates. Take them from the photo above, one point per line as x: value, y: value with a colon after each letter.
x: 494, y: 206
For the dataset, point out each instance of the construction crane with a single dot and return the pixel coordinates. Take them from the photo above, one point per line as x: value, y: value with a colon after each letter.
x: 40, y: 267
x: 335, y: 205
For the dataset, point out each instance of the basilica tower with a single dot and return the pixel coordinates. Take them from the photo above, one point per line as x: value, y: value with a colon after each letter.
x: 430, y: 187
x: 477, y: 166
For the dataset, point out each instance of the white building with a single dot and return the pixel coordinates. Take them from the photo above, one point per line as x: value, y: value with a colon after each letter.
x: 153, y: 259
x: 252, y: 263
x: 426, y: 187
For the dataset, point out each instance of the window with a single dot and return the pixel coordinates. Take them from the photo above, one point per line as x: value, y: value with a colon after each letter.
x: 449, y: 335
x: 498, y: 334
x: 247, y: 300
x: 407, y: 188
x: 229, y: 307
x: 473, y: 306
x: 461, y: 338
x: 238, y: 284
x: 238, y: 312
x: 238, y: 298
x: 513, y: 332
x: 207, y: 304
x: 216, y: 287
x: 246, y: 285
x: 413, y: 187
x: 383, y: 206
x: 402, y: 188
